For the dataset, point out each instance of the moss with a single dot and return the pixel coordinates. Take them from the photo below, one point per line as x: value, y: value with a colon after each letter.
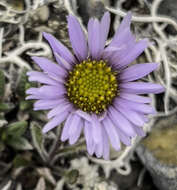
x: 163, y: 144
x: 17, y: 4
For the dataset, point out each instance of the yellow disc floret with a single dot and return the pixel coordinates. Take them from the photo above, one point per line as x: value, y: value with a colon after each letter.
x: 91, y: 86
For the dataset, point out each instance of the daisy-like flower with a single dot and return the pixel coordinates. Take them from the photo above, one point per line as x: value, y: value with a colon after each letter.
x: 93, y: 90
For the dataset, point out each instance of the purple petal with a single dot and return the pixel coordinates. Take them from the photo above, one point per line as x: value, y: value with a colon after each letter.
x: 94, y: 38
x: 41, y: 77
x: 62, y: 61
x: 42, y: 97
x: 75, y: 136
x: 135, y: 98
x: 49, y: 67
x: 88, y: 137
x: 73, y: 139
x: 96, y: 129
x: 47, y: 92
x: 77, y: 38
x: 121, y: 122
x: 46, y: 104
x: 112, y: 133
x: 124, y: 39
x: 109, y: 52
x: 137, y: 71
x: 142, y: 108
x: 104, y: 27
x: 59, y: 109
x: 99, y: 149
x: 84, y: 115
x: 59, y: 48
x: 123, y: 137
x: 32, y: 97
x: 105, y: 145
x: 144, y: 117
x: 141, y: 87
x: 132, y: 54
x: 125, y: 43
x: 139, y: 131
x: 125, y: 24
x: 55, y: 122
x: 75, y: 129
x: 132, y: 116
x: 65, y: 134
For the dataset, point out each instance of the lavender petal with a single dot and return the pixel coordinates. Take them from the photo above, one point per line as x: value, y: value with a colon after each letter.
x: 137, y: 71
x: 47, y: 92
x: 77, y: 38
x: 132, y: 54
x: 88, y: 137
x: 55, y: 122
x: 142, y: 108
x: 61, y: 61
x: 121, y: 122
x: 41, y: 77
x: 94, y: 38
x: 132, y: 116
x: 125, y: 24
x: 104, y: 27
x: 65, y: 134
x: 125, y: 39
x: 75, y: 136
x: 112, y: 133
x: 99, y: 149
x: 84, y: 115
x: 123, y: 137
x: 139, y: 131
x: 74, y: 129
x: 49, y: 67
x: 135, y: 98
x: 141, y: 87
x: 46, y: 104
x: 58, y: 47
x: 59, y: 109
x: 106, y: 150
x: 96, y: 129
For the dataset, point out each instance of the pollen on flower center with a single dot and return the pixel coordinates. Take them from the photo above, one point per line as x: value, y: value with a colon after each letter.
x: 91, y: 86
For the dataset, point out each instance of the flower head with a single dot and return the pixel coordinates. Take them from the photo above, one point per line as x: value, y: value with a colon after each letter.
x: 93, y: 90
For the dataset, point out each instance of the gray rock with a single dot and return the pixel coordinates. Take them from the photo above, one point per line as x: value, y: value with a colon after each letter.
x: 168, y: 8
x: 158, y: 153
x: 51, y: 19
x: 91, y: 8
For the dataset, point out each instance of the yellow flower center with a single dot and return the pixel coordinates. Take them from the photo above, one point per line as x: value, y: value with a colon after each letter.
x: 91, y: 86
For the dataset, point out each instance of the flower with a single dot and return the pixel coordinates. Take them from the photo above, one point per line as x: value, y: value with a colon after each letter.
x: 92, y: 90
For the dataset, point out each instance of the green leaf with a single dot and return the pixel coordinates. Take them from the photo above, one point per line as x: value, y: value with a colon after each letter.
x: 3, y: 136
x: 3, y: 122
x: 19, y: 143
x: 2, y: 146
x: 72, y: 176
x: 37, y: 115
x: 21, y: 161
x: 2, y: 84
x: 23, y: 80
x: 25, y: 105
x: 37, y: 136
x: 17, y: 129
x: 4, y: 107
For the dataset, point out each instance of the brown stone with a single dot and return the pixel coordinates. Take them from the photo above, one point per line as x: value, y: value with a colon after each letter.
x: 158, y: 153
